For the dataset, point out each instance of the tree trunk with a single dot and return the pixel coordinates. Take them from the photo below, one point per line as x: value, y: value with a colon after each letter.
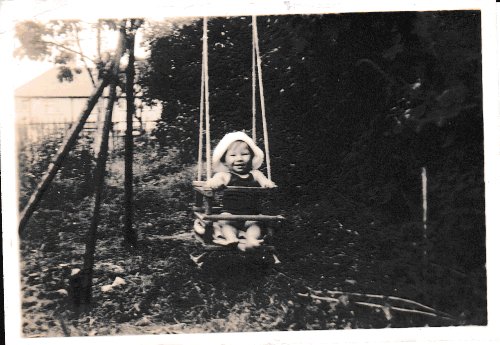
x: 130, y: 234
x: 84, y: 295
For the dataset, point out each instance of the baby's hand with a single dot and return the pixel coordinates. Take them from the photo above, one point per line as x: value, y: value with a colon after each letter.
x: 216, y: 182
x: 263, y: 181
x: 269, y: 184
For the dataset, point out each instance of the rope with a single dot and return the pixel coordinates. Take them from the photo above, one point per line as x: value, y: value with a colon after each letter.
x: 205, y: 106
x: 261, y: 94
x: 207, y: 109
x: 202, y: 103
x: 254, y: 110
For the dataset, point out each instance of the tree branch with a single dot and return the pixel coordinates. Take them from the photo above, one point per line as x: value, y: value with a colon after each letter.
x: 81, y: 56
x: 328, y: 299
x: 411, y: 311
x: 382, y: 297
x: 69, y: 49
x: 374, y: 305
x: 98, y: 38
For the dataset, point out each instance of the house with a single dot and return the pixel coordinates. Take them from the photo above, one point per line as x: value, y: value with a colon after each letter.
x: 45, y: 105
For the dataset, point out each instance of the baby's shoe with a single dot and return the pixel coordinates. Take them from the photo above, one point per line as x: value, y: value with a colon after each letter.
x: 198, y: 227
x: 249, y: 244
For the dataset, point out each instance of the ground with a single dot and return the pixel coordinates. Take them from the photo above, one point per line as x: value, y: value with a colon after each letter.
x: 331, y: 275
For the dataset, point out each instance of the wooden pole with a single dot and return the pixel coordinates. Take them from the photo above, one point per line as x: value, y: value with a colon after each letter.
x: 85, y: 279
x: 424, y: 213
x: 130, y: 236
x: 60, y: 157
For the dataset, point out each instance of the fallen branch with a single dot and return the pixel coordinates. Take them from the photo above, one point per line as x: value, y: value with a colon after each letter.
x: 328, y: 299
x: 373, y: 305
x: 279, y: 273
x: 390, y: 298
x: 411, y: 311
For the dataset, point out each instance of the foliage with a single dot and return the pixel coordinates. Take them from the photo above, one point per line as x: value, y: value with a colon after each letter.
x: 357, y: 104
x: 60, y: 42
x: 367, y: 100
x: 163, y: 291
x: 74, y: 180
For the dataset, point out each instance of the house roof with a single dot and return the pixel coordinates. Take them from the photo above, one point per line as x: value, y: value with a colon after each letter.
x: 47, y: 85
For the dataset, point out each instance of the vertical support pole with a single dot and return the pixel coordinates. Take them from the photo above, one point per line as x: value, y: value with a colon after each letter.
x: 208, y: 205
x: 198, y: 201
x: 130, y: 236
x: 424, y: 214
x: 85, y: 278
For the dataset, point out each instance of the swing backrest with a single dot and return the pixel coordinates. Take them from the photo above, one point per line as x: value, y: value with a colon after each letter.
x: 199, y: 186
x: 207, y: 211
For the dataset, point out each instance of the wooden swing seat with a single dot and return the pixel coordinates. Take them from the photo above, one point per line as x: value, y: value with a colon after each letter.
x: 206, y: 214
x: 243, y: 217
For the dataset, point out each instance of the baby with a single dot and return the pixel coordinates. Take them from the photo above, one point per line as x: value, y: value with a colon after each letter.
x: 236, y: 159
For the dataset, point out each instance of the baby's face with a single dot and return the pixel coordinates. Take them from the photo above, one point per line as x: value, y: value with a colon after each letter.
x: 239, y: 157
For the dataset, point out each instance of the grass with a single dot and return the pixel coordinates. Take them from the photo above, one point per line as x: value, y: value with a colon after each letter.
x: 165, y: 292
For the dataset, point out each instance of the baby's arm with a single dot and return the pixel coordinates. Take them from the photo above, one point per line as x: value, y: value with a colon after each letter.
x: 219, y: 180
x: 263, y: 180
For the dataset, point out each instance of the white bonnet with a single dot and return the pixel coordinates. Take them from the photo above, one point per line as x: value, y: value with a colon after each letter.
x: 222, y: 146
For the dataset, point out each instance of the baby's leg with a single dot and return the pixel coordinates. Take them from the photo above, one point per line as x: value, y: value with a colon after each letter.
x: 229, y: 233
x: 253, y: 232
x: 252, y: 236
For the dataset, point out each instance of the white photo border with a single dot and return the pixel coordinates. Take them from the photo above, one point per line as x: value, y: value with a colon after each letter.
x: 12, y: 11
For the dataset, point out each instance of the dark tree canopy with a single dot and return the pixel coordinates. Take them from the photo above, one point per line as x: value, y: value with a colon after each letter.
x: 357, y: 105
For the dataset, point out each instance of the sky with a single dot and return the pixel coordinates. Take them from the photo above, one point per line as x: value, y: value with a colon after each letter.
x: 26, y: 69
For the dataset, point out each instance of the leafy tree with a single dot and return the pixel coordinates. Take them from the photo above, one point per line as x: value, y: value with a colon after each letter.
x: 363, y: 100
x: 60, y: 42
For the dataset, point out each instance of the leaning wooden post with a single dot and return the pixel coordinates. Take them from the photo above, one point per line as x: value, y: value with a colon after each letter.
x: 60, y: 156
x: 85, y: 276
x: 130, y: 235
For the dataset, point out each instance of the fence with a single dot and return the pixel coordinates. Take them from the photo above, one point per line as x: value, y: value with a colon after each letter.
x: 31, y: 136
x: 43, y: 121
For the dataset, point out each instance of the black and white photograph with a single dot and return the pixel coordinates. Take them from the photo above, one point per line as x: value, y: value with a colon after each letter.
x: 249, y: 172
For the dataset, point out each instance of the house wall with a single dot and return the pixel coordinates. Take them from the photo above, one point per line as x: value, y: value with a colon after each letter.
x: 50, y: 110
x: 67, y: 110
x: 38, y: 118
